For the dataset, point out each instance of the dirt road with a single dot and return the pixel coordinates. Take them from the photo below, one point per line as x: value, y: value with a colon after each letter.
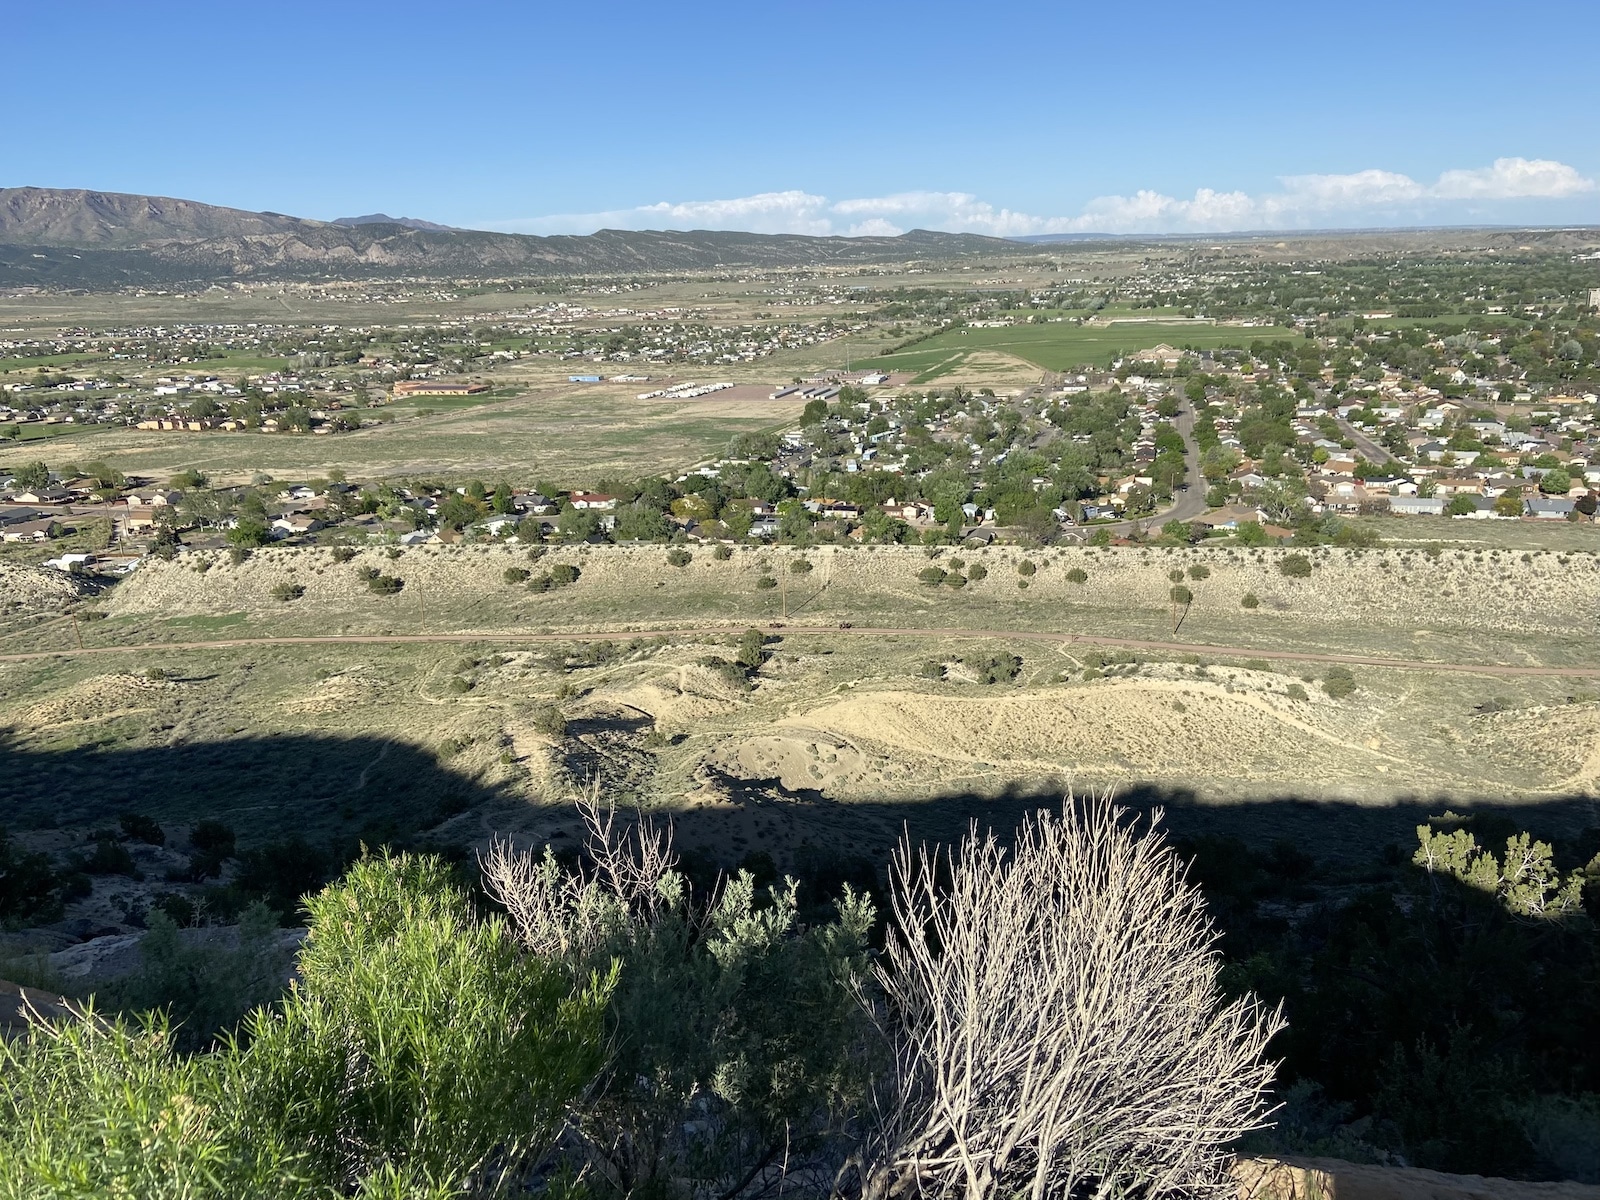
x: 1081, y: 639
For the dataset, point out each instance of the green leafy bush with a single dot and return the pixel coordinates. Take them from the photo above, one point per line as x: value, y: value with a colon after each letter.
x: 515, y: 575
x: 564, y: 574
x: 1199, y: 571
x: 1295, y: 566
x: 343, y: 554
x: 1250, y: 600
x: 420, y: 1047
x: 287, y: 591
x: 679, y: 557
x: 955, y: 581
x: 766, y: 583
x: 932, y: 576
x: 1026, y: 567
x: 1077, y: 575
x: 385, y: 585
x: 977, y: 572
x: 1339, y: 682
x: 799, y: 566
x: 721, y: 552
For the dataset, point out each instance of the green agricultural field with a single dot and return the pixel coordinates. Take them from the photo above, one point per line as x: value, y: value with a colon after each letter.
x: 1062, y: 347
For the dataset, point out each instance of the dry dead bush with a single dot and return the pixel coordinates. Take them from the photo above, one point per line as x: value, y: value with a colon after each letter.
x: 1056, y: 1021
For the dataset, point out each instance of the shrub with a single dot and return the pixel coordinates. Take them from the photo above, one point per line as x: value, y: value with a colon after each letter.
x: 766, y: 583
x: 142, y: 828
x: 515, y: 574
x: 752, y: 649
x: 1181, y: 595
x: 385, y: 585
x: 541, y: 583
x: 977, y: 571
x: 563, y: 574
x: 1295, y: 692
x: 343, y: 554
x: 679, y: 557
x: 955, y: 581
x: 29, y: 887
x: 993, y: 668
x: 1175, y: 575
x: 1339, y: 682
x: 1077, y: 575
x: 237, y: 554
x: 110, y: 857
x: 548, y: 719
x: 1026, y: 568
x: 419, y: 1044
x: 1295, y: 566
x: 459, y: 685
x: 722, y: 553
x: 1199, y: 571
x: 287, y: 591
x: 367, y: 574
x: 1250, y: 600
x: 1159, y: 1081
x: 799, y: 566
x: 932, y: 576
x: 933, y: 669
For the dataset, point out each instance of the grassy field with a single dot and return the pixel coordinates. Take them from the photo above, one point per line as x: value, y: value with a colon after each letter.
x: 576, y: 434
x: 1060, y: 347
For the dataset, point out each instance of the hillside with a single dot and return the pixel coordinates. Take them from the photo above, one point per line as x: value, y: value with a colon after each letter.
x: 73, y: 238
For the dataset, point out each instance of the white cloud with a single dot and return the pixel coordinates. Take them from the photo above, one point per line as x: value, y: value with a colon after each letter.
x: 1303, y: 201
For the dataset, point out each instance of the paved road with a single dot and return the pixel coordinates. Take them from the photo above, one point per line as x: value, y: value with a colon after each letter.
x: 1188, y: 503
x: 1064, y: 639
x: 1370, y: 450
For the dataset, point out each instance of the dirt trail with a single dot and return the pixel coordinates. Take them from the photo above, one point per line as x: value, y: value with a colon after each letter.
x: 511, y: 635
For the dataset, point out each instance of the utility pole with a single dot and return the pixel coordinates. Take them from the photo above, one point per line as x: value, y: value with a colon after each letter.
x: 783, y: 588
x: 78, y: 633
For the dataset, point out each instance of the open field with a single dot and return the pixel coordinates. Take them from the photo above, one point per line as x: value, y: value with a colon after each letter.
x: 575, y: 433
x: 1060, y: 347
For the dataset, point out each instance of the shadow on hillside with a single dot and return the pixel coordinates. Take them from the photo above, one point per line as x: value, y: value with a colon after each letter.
x: 322, y: 787
x: 314, y: 787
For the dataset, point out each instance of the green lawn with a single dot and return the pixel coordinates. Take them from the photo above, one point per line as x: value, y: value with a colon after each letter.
x: 1062, y: 347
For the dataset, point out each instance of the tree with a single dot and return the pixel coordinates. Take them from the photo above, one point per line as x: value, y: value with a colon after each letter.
x: 1057, y: 1023
x: 458, y: 511
x: 814, y: 413
x: 504, y: 501
x: 249, y: 532
x: 1460, y: 505
x: 1555, y: 482
x: 1509, y: 503
x: 577, y: 524
x: 32, y: 476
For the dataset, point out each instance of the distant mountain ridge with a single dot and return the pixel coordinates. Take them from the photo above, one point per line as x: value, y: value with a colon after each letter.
x: 79, y: 238
x: 385, y: 219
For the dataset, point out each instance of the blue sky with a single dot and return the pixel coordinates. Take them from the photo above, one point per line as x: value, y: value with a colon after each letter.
x: 819, y: 117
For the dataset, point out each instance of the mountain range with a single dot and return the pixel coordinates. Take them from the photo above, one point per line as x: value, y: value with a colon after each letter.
x: 75, y: 238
